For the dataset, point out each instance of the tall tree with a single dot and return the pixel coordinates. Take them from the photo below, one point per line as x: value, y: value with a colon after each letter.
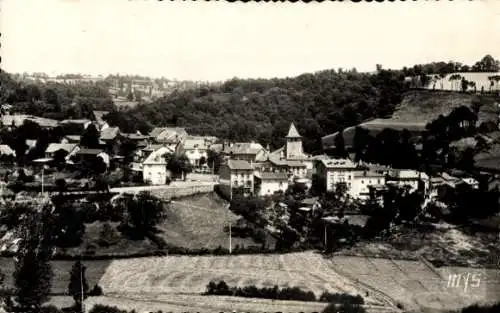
x: 90, y: 137
x: 33, y: 271
x: 78, y: 287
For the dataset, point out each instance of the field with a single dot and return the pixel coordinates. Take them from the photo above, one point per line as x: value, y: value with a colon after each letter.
x: 198, y: 222
x: 416, y: 285
x: 190, y: 275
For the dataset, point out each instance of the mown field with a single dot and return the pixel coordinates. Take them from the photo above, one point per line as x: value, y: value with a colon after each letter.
x: 190, y: 275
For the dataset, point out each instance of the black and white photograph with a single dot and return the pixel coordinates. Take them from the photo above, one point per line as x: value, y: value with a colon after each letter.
x: 258, y: 157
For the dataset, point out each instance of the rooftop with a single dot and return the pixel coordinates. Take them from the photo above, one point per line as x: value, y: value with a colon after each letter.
x: 53, y: 147
x: 372, y: 174
x: 86, y: 151
x: 339, y: 163
x: 239, y: 165
x: 272, y: 176
x: 292, y: 132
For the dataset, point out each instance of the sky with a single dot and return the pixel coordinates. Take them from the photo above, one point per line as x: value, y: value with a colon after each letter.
x: 219, y: 40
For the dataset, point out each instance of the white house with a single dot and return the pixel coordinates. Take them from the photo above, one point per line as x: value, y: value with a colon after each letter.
x: 154, y: 167
x: 358, y: 188
x: 334, y: 171
x: 412, y: 179
x: 268, y: 183
x: 196, y: 150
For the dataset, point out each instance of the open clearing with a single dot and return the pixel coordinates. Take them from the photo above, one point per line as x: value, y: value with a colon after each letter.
x: 198, y: 222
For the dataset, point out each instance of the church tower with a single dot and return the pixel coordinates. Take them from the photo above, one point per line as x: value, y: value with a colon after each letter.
x: 293, y: 148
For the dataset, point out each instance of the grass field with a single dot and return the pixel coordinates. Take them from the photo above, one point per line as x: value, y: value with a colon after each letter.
x: 190, y: 275
x: 198, y: 222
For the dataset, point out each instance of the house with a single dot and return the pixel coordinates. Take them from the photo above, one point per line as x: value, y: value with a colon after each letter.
x: 412, y: 179
x: 85, y: 155
x: 99, y: 121
x: 110, y: 139
x: 196, y: 150
x: 334, y: 171
x: 53, y: 148
x: 296, y: 169
x: 74, y: 127
x: 246, y: 151
x: 267, y: 184
x: 7, y: 155
x: 140, y: 140
x: 235, y: 174
x: 6, y: 150
x: 154, y: 167
x: 71, y: 139
x: 17, y: 120
x: 168, y: 135
x: 359, y: 187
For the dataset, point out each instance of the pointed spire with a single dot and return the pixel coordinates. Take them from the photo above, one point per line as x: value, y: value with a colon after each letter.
x: 292, y: 132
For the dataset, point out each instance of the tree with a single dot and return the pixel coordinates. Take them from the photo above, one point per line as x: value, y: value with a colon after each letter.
x: 214, y: 160
x: 340, y: 150
x: 178, y: 165
x: 90, y: 137
x: 33, y: 271
x: 78, y: 286
x: 486, y: 64
x: 465, y: 84
x: 145, y: 212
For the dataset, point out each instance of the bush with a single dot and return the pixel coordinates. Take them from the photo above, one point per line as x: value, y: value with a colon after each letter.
x: 99, y: 308
x: 108, y: 236
x: 341, y: 298
x: 344, y: 308
x: 95, y: 291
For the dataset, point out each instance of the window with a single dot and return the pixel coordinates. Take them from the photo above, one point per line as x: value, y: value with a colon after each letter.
x: 349, y: 177
x: 378, y: 181
x: 362, y: 181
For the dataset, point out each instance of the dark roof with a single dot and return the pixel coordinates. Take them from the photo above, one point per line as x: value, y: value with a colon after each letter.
x: 239, y: 165
x: 89, y: 151
x: 272, y: 176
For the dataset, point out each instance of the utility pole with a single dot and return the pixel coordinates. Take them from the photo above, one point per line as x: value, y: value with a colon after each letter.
x: 229, y: 221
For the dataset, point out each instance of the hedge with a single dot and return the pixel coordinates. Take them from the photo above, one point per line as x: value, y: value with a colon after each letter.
x: 275, y: 293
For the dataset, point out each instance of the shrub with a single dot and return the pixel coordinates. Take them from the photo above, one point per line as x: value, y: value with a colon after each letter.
x: 95, y: 291
x: 50, y: 309
x: 99, y: 308
x: 341, y: 298
x: 108, y: 235
x: 344, y: 308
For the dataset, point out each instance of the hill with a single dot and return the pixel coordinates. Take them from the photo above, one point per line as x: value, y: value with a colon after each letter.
x: 419, y: 107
